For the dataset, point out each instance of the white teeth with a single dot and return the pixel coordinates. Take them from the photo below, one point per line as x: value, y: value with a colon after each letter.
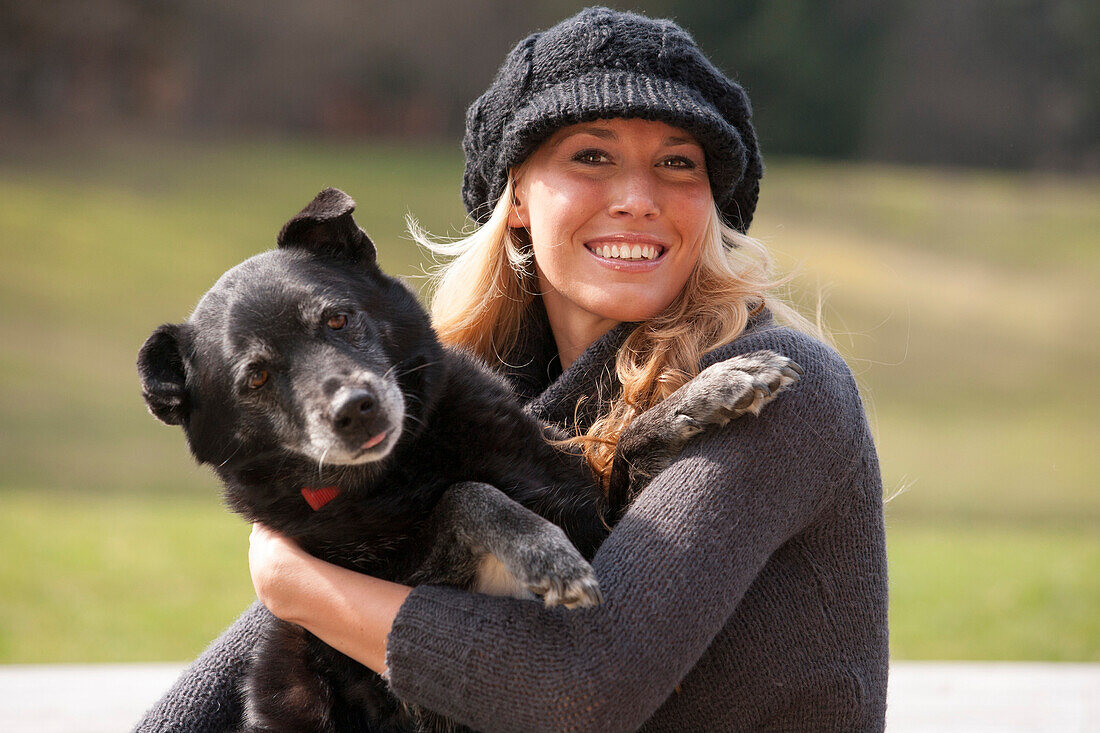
x: 628, y: 252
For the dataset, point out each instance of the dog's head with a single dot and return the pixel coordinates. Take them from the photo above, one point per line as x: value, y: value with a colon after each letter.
x: 308, y: 349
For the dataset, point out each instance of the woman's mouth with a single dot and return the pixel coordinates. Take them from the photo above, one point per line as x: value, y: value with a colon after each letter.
x: 626, y: 251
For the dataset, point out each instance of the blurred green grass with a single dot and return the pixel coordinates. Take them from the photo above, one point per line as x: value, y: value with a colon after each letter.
x: 115, y: 577
x: 965, y: 301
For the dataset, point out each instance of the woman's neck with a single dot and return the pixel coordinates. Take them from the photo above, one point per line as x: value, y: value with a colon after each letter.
x: 574, y: 330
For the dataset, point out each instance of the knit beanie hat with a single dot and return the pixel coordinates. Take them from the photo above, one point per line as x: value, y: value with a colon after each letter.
x: 603, y: 63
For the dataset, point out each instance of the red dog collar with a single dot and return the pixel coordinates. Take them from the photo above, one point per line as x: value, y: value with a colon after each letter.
x: 317, y: 498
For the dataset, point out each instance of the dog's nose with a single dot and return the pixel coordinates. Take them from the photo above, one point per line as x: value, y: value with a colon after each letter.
x: 351, y: 410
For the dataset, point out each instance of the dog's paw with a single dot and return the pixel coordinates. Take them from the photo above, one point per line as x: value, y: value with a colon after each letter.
x: 731, y: 388
x: 580, y: 591
x: 555, y: 571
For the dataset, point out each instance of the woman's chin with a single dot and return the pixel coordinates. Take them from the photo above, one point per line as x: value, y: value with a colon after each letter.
x: 628, y: 309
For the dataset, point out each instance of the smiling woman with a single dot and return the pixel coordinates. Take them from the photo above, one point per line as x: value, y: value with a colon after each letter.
x: 561, y: 240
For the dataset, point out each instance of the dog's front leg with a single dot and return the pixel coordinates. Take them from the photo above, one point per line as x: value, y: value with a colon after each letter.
x: 499, y: 547
x: 718, y: 394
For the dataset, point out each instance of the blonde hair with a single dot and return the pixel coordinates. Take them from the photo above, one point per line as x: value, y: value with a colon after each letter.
x: 481, y: 295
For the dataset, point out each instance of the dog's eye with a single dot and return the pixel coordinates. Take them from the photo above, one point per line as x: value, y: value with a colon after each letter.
x: 257, y: 378
x: 337, y: 321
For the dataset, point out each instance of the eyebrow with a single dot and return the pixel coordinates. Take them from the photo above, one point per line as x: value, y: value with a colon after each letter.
x: 681, y: 141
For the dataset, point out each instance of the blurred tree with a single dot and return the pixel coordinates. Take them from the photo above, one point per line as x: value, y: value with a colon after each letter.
x: 975, y: 82
x: 990, y: 82
x: 808, y: 65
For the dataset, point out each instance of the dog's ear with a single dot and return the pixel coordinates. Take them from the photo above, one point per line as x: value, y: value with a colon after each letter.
x: 163, y: 381
x: 325, y: 228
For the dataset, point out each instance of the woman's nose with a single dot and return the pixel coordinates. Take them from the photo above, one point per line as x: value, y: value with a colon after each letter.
x: 635, y: 195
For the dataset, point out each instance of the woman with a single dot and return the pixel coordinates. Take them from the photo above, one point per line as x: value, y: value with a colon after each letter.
x: 745, y: 588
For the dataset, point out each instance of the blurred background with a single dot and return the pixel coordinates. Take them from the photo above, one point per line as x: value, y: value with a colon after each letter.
x: 933, y: 182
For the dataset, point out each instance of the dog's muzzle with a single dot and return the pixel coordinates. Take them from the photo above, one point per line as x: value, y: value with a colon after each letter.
x: 358, y: 419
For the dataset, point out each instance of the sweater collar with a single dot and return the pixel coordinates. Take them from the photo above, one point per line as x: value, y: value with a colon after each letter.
x: 534, y: 371
x: 532, y: 363
x: 583, y: 390
x: 574, y: 397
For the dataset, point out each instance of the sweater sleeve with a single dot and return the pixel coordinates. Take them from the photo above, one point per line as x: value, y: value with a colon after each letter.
x: 205, y: 698
x: 672, y: 572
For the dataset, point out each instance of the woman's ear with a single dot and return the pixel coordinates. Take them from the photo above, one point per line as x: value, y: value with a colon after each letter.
x: 518, y: 216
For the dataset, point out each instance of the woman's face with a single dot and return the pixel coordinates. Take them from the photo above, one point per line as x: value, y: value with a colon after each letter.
x: 616, y: 210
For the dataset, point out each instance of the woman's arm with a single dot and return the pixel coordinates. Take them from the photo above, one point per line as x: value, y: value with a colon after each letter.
x: 672, y: 573
x: 347, y: 610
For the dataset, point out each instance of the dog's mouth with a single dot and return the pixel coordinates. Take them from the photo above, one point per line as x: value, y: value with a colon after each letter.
x: 357, y: 421
x: 371, y: 442
x: 329, y: 450
x: 335, y: 450
x: 366, y: 452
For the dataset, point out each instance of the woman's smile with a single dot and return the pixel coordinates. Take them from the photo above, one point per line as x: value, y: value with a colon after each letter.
x: 639, y: 252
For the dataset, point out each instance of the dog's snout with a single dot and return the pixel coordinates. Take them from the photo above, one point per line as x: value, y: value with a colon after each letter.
x: 360, y: 421
x: 353, y: 409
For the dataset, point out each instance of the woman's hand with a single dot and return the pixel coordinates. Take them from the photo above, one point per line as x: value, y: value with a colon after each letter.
x: 280, y: 570
x: 347, y: 610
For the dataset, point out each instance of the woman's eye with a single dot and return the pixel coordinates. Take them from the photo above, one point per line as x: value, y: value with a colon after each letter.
x: 337, y: 321
x: 679, y: 162
x: 257, y: 378
x: 590, y: 156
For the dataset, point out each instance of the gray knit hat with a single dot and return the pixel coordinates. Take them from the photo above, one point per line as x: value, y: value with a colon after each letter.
x: 603, y: 63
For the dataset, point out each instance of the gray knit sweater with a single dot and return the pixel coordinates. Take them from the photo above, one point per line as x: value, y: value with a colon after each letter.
x: 745, y: 589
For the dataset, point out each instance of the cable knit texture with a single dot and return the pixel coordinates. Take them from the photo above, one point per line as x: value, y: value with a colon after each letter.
x: 206, y: 698
x: 604, y: 63
x: 745, y: 588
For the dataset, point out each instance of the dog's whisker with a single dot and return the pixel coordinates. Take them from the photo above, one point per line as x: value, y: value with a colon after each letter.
x: 230, y: 456
x: 416, y: 368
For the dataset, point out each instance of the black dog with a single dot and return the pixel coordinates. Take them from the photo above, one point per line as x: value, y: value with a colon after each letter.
x: 314, y: 385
